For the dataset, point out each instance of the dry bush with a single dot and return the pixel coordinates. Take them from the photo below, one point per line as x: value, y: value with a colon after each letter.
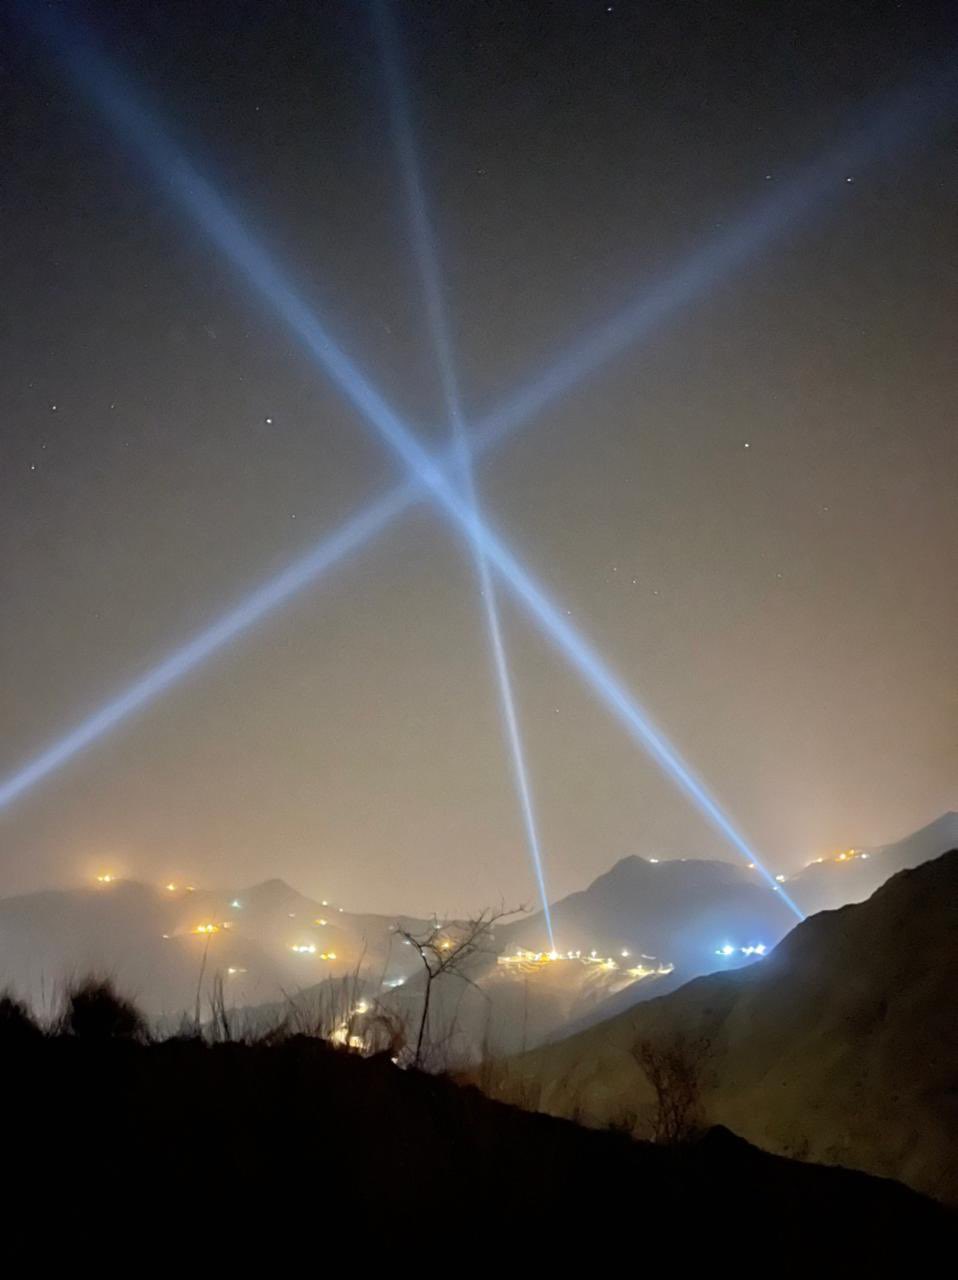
x: 94, y: 1010
x: 17, y: 1024
x: 446, y: 951
x: 676, y: 1070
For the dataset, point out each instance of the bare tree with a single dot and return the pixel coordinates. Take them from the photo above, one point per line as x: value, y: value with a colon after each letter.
x: 447, y: 949
x: 676, y: 1071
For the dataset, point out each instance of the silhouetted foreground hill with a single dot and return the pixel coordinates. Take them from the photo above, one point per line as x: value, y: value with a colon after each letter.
x: 841, y: 1046
x: 306, y: 1145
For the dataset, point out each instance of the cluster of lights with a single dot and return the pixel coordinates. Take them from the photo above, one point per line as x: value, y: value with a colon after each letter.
x: 758, y: 949
x: 640, y: 971
x: 342, y: 1036
x: 542, y: 958
x: 344, y: 1033
x: 207, y: 929
x: 310, y: 949
x: 106, y: 878
x: 845, y: 855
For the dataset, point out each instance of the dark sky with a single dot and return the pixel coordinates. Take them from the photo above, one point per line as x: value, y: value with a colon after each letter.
x: 753, y: 515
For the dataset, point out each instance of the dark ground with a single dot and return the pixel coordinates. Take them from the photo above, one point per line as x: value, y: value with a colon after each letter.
x: 224, y: 1143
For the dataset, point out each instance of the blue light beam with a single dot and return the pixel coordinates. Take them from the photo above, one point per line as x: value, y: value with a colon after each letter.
x: 252, y: 608
x: 701, y: 269
x: 889, y: 126
x: 226, y: 231
x: 427, y: 259
x: 906, y: 114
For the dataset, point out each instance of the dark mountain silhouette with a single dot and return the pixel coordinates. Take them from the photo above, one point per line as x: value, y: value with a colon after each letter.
x: 216, y: 1143
x: 841, y: 1046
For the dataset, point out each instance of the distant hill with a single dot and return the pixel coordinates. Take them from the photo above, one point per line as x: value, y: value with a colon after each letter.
x: 154, y: 940
x: 840, y: 1047
x: 269, y: 940
x: 681, y: 910
x: 639, y: 930
x: 852, y: 875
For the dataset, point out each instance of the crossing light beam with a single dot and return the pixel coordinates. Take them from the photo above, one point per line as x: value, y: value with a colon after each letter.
x: 898, y: 121
x: 427, y: 258
x: 249, y: 257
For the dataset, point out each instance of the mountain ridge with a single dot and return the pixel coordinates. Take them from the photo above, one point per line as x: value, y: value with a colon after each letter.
x: 841, y: 1046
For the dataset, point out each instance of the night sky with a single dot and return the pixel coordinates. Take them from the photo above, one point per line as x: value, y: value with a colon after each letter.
x: 752, y: 514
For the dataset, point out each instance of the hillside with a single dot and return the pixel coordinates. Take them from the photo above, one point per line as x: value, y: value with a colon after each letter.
x: 191, y: 1141
x: 678, y: 910
x: 852, y: 875
x: 840, y: 1047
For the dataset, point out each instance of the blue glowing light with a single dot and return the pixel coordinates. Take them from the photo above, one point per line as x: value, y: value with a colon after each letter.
x: 427, y: 258
x: 752, y: 949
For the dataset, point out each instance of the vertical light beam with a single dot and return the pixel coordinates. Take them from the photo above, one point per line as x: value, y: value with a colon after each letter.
x: 427, y: 260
